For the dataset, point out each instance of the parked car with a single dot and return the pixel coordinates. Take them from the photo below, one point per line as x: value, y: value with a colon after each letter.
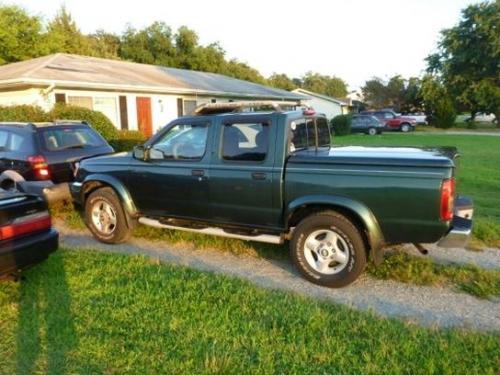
x: 482, y: 117
x: 366, y: 124
x: 393, y: 120
x: 26, y: 233
x: 274, y: 177
x: 40, y: 158
x: 419, y: 117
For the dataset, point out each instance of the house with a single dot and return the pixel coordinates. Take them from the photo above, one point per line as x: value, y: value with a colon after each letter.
x: 331, y: 107
x: 133, y: 96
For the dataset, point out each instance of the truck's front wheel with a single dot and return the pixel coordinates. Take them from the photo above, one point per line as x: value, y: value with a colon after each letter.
x: 328, y: 249
x: 105, y: 217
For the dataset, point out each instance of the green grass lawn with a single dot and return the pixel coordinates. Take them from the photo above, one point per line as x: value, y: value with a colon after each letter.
x: 94, y: 313
x: 478, y: 173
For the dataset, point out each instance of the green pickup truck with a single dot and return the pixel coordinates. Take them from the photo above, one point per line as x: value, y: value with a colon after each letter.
x: 272, y: 175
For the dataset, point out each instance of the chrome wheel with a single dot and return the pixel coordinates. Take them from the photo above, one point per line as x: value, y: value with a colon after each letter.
x: 372, y: 131
x: 103, y: 217
x: 405, y: 128
x: 326, y: 251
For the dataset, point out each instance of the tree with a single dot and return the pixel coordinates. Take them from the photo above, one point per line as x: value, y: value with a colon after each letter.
x: 467, y: 61
x: 404, y: 95
x: 105, y: 44
x: 151, y: 45
x: 20, y: 35
x: 438, y: 103
x: 281, y: 81
x: 240, y: 70
x: 63, y: 35
x: 326, y: 85
x: 375, y: 93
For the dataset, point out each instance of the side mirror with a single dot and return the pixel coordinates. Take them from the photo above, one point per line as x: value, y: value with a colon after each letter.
x: 139, y: 152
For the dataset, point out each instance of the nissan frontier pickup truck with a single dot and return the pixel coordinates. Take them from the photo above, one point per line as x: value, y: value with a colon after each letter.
x: 272, y: 175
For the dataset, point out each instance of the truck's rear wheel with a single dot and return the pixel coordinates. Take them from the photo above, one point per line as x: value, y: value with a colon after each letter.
x: 105, y: 217
x: 328, y: 249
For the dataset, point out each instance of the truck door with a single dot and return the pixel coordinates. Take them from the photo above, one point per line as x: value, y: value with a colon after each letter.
x: 241, y: 172
x: 173, y: 180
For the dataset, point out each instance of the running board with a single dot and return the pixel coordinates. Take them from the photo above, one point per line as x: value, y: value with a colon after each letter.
x: 267, y: 238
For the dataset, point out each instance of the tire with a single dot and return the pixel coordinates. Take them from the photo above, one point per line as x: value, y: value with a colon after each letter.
x: 323, y: 261
x: 105, y: 217
x: 371, y: 131
x: 405, y: 128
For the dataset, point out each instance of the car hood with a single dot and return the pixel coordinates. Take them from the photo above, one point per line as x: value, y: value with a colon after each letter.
x: 390, y: 156
x: 119, y: 157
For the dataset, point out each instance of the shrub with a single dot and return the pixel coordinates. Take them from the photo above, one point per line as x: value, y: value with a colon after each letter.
x: 23, y: 113
x: 445, y: 114
x: 96, y: 119
x: 341, y: 124
x: 126, y: 140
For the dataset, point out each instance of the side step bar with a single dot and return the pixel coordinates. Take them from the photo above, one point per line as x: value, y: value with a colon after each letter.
x: 267, y: 238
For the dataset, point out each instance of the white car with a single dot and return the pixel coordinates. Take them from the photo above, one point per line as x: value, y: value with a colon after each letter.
x: 419, y: 117
x: 482, y: 117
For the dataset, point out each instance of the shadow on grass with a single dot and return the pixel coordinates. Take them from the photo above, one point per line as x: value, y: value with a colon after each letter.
x: 45, y: 331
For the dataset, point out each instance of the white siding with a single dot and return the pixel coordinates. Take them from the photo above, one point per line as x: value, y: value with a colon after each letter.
x: 29, y: 96
x: 330, y: 109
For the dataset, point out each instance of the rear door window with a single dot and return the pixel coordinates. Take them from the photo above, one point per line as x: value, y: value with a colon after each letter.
x: 71, y: 137
x: 245, y: 142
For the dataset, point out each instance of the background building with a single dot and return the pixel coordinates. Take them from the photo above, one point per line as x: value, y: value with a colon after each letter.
x: 133, y: 96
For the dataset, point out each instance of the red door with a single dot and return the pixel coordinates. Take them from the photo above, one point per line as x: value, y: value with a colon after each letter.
x: 144, y: 117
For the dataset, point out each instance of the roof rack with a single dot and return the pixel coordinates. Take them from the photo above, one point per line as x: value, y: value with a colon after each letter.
x: 217, y: 108
x: 43, y: 123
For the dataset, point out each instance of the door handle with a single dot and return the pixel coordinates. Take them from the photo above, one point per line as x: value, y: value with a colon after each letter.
x: 259, y: 175
x: 198, y: 172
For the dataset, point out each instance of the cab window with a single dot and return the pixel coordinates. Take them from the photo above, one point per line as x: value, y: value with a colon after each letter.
x: 181, y: 142
x: 245, y: 142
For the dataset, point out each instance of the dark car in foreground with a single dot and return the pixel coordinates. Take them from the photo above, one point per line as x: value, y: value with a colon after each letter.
x: 44, y: 154
x: 26, y: 233
x: 366, y: 124
x: 273, y: 176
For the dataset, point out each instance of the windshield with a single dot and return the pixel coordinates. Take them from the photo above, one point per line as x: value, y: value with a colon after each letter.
x: 71, y: 137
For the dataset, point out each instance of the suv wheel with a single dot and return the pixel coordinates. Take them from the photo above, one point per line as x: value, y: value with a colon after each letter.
x: 372, y: 131
x: 405, y: 128
x: 328, y: 249
x: 105, y: 218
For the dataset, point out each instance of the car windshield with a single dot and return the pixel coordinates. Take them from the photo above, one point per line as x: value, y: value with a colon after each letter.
x: 71, y: 137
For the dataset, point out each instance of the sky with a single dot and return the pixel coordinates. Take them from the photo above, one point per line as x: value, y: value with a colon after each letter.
x: 354, y: 40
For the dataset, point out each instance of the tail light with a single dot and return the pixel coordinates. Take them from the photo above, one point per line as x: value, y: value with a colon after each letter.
x: 39, y: 166
x: 447, y: 199
x: 24, y: 225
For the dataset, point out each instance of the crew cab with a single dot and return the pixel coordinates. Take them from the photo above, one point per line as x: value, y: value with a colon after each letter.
x: 273, y: 176
x: 393, y: 121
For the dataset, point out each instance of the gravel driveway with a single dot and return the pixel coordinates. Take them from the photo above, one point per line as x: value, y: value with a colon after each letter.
x: 429, y: 306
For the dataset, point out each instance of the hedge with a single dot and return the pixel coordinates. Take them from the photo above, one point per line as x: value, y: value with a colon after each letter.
x: 126, y: 140
x: 96, y: 119
x: 23, y: 113
x: 341, y: 124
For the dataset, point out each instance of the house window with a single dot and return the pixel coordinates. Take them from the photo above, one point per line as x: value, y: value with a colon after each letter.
x: 214, y: 100
x: 189, y: 107
x: 81, y: 101
x: 108, y: 107
x: 60, y: 98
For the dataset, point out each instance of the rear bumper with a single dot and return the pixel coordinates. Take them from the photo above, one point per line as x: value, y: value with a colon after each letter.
x: 21, y: 253
x: 47, y: 189
x: 461, y: 225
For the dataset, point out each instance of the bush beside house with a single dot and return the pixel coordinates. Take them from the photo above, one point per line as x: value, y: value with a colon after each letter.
x: 341, y: 124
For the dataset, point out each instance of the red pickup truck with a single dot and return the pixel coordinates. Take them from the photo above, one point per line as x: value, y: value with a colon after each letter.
x: 393, y: 121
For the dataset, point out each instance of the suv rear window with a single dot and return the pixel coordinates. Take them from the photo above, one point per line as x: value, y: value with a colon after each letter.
x: 71, y: 137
